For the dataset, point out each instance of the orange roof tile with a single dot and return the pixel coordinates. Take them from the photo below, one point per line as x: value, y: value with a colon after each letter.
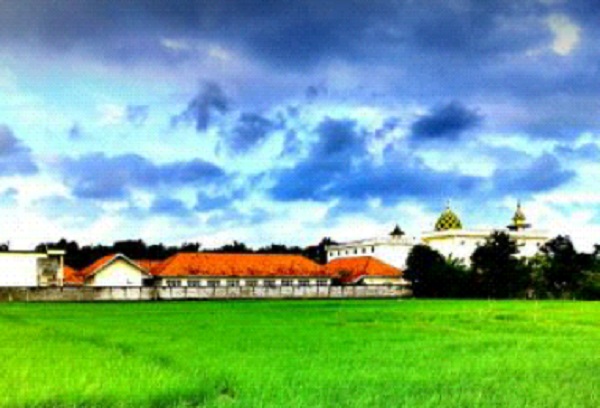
x: 98, y: 264
x: 243, y: 265
x: 149, y: 264
x: 72, y: 276
x: 352, y: 269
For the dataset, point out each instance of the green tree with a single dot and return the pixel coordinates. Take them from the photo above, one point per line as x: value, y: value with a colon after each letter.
x: 431, y: 275
x: 501, y: 273
x: 564, y: 273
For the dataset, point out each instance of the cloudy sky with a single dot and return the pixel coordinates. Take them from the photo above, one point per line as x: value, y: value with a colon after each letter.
x: 272, y: 121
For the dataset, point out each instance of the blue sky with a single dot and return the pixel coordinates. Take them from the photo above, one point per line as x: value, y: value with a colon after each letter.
x: 289, y: 121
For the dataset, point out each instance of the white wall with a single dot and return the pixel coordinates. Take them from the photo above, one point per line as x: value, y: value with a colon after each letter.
x: 19, y: 269
x: 184, y: 281
x: 394, y: 255
x: 118, y: 273
x: 462, y: 247
x: 458, y: 247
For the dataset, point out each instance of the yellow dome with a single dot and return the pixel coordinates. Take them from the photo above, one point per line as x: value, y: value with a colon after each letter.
x: 448, y: 220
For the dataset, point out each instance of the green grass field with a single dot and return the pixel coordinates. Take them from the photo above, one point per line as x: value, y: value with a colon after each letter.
x: 301, y: 354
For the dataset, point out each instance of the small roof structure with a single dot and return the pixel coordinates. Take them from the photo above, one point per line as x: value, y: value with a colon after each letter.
x: 107, y: 260
x: 351, y: 270
x: 519, y: 221
x: 72, y: 277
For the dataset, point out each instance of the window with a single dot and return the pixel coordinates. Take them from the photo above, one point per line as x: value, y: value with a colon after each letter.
x: 286, y: 282
x: 232, y: 283
x: 372, y: 249
x: 173, y: 283
x: 322, y: 282
x: 364, y: 250
x: 355, y: 251
x: 251, y: 283
x: 270, y: 283
x: 302, y: 282
x: 193, y: 283
x: 212, y: 283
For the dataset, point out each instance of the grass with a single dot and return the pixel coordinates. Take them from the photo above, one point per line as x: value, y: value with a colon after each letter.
x: 301, y: 354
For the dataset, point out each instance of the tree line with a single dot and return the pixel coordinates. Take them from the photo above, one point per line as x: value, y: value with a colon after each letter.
x: 496, y: 271
x: 81, y: 256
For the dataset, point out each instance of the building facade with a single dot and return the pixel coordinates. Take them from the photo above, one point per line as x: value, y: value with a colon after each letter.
x: 244, y: 270
x: 392, y: 249
x: 114, y: 271
x: 31, y: 268
x: 452, y: 240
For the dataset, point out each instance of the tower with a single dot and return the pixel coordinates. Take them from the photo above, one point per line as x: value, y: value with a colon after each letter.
x: 519, y: 221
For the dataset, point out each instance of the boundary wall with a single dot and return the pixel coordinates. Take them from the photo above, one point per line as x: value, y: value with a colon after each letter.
x: 93, y: 294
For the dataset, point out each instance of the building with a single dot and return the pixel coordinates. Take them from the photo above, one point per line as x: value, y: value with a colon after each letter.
x: 31, y: 268
x: 452, y: 240
x: 392, y: 249
x: 215, y: 270
x: 112, y: 270
x: 365, y: 270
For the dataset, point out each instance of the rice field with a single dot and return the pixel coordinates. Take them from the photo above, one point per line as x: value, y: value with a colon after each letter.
x: 359, y: 353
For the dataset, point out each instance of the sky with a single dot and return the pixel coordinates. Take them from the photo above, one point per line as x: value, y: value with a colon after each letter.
x: 285, y: 122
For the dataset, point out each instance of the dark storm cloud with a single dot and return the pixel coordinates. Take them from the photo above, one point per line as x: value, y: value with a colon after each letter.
x: 339, y: 166
x: 492, y: 51
x: 97, y: 176
x: 15, y: 157
x: 209, y: 99
x: 250, y: 130
x: 445, y: 122
x: 291, y: 34
x: 544, y: 173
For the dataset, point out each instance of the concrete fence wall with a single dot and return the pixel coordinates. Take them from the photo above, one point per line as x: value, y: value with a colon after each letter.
x: 92, y: 294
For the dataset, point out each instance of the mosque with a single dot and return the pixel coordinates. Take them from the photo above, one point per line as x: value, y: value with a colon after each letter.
x: 448, y: 237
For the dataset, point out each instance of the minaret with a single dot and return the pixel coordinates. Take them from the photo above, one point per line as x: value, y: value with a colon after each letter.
x: 519, y: 221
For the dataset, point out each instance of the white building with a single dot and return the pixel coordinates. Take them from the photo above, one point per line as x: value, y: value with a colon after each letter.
x: 31, y: 268
x: 114, y: 270
x: 451, y: 240
x: 392, y: 249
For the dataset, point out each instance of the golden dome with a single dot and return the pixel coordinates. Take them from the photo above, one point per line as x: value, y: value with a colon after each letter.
x: 448, y: 220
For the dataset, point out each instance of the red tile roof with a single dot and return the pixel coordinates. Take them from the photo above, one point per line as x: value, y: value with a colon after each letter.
x: 105, y: 260
x: 72, y: 276
x: 352, y: 269
x: 149, y: 264
x: 242, y: 265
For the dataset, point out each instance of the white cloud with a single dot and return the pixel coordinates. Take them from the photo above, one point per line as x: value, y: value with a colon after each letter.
x: 111, y: 114
x: 566, y: 34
